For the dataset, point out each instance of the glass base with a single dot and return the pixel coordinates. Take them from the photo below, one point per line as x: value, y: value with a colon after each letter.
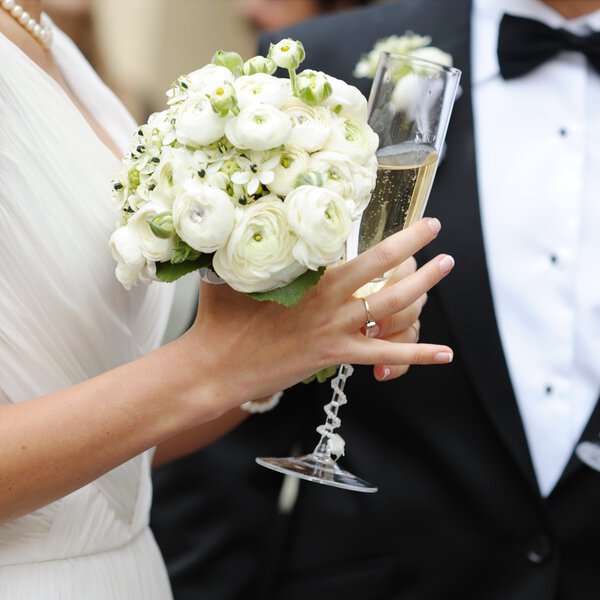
x: 313, y: 468
x: 589, y: 453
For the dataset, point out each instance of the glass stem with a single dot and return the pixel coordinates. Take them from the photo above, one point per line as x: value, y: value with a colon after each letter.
x: 323, y: 448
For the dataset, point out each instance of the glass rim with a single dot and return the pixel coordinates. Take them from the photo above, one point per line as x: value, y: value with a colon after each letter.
x: 425, y: 62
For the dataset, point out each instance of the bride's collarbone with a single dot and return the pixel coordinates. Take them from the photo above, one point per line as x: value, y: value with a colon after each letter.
x: 45, y: 61
x: 23, y: 40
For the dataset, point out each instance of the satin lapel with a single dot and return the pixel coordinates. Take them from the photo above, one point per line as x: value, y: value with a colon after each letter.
x: 465, y: 294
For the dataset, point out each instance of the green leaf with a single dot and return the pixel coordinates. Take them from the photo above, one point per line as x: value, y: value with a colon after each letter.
x: 292, y: 293
x: 170, y: 272
x: 181, y: 252
x: 323, y: 375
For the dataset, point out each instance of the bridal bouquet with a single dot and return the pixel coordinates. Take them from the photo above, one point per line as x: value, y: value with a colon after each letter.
x: 255, y: 178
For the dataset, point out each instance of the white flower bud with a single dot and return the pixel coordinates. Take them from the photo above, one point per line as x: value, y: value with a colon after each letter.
x: 222, y: 98
x: 230, y: 60
x: 287, y: 53
x: 259, y: 64
x: 313, y: 87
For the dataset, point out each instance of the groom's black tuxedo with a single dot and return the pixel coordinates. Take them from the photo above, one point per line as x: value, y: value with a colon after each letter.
x: 458, y: 515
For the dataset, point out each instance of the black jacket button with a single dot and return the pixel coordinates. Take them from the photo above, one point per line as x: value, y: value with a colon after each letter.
x: 539, y: 549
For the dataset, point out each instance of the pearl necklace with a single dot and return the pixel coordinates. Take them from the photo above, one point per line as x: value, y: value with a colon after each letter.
x: 41, y: 32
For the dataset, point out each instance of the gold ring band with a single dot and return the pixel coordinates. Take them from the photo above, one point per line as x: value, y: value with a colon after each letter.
x: 370, y: 324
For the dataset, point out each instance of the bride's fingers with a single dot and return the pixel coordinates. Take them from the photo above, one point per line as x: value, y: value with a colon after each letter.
x: 403, y: 270
x: 401, y: 321
x: 409, y: 335
x: 387, y: 372
x: 397, y: 297
x: 382, y: 352
x: 386, y: 255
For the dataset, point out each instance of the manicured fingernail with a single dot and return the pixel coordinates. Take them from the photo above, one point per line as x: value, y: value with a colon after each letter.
x: 382, y: 373
x: 446, y: 264
x: 443, y: 357
x: 434, y: 225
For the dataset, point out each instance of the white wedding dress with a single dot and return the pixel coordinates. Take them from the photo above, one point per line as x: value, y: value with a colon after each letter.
x: 65, y: 318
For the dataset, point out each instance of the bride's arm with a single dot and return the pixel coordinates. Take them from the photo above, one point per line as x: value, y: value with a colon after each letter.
x: 198, y: 437
x: 51, y: 446
x: 402, y: 328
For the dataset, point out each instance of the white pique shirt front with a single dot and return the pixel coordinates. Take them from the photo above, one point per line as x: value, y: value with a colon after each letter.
x: 538, y: 160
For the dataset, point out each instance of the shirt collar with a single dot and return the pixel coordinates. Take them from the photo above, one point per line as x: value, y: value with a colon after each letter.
x: 486, y: 22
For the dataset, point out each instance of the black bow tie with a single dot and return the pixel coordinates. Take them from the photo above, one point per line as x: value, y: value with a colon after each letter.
x: 524, y: 44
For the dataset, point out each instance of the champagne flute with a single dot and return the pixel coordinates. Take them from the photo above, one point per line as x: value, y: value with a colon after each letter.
x: 410, y: 104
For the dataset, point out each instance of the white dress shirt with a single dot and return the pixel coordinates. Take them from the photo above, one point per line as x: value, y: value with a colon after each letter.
x: 538, y: 160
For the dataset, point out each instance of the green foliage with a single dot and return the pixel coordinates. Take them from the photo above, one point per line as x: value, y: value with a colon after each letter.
x: 170, y: 272
x: 323, y: 375
x: 291, y: 294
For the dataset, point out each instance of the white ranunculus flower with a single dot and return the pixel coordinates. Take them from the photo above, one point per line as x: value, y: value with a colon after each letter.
x: 207, y: 77
x: 258, y: 255
x: 321, y: 220
x: 343, y: 176
x: 360, y: 202
x: 259, y: 127
x: 153, y: 248
x: 131, y: 264
x: 346, y: 100
x: 261, y: 88
x: 354, y: 138
x: 311, y: 125
x: 203, y: 217
x: 292, y: 162
x: 197, y: 124
x: 434, y: 55
x: 404, y: 93
x: 396, y: 44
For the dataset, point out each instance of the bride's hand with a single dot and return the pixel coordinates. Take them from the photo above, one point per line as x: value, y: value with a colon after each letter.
x: 403, y: 327
x: 257, y: 348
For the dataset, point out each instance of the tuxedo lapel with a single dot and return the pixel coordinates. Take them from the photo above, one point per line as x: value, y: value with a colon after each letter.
x: 466, y: 295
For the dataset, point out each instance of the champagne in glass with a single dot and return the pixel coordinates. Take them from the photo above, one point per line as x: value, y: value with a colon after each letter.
x: 409, y: 108
x: 404, y: 178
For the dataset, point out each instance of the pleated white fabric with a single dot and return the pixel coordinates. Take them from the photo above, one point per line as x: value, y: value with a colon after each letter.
x: 64, y: 318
